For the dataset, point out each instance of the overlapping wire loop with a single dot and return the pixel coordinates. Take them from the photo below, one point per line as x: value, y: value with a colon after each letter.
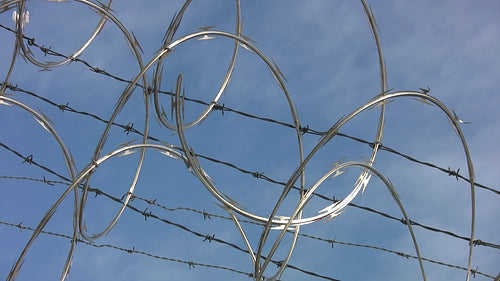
x: 282, y: 223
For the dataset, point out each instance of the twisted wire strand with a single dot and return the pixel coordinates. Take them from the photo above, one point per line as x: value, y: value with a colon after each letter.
x: 149, y: 214
x: 260, y: 175
x: 476, y: 242
x: 223, y: 108
x: 208, y: 216
x: 274, y: 247
x: 188, y: 155
x: 132, y: 250
x: 191, y: 264
x: 48, y: 51
x: 299, y: 172
x: 363, y: 179
x: 319, y: 145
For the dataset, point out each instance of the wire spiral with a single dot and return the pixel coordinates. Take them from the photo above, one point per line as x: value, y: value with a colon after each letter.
x: 274, y: 225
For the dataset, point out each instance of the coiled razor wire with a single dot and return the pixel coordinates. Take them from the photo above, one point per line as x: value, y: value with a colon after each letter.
x: 283, y: 223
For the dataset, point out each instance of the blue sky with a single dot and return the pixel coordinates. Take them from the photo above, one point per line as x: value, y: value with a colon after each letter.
x: 328, y: 56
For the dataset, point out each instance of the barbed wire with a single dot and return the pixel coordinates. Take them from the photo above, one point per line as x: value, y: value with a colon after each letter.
x: 261, y: 175
x: 29, y: 159
x: 80, y: 179
x: 132, y: 250
x: 206, y: 237
x: 208, y: 216
x: 476, y: 242
x: 303, y: 130
x: 218, y: 107
x: 258, y: 175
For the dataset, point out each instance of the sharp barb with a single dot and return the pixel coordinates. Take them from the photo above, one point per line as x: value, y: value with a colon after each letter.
x: 206, y: 37
x: 248, y: 38
x: 172, y: 105
x: 167, y: 153
x: 424, y: 101
x: 182, y: 101
x: 158, y: 120
x: 45, y: 117
x: 163, y: 112
x: 137, y: 42
x: 125, y: 143
x: 205, y: 28
x: 71, y: 158
x: 379, y: 104
x: 127, y: 152
x: 42, y: 124
x: 425, y: 91
x: 458, y: 119
x: 5, y: 103
x: 232, y: 201
x: 279, y: 71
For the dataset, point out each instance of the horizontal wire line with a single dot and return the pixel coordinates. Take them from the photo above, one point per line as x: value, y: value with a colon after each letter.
x: 330, y: 241
x: 205, y: 237
x: 207, y: 215
x: 130, y: 251
x: 476, y: 242
x: 404, y: 255
x: 307, y: 130
x: 48, y: 51
x: 304, y: 130
x: 264, y: 177
x: 223, y: 108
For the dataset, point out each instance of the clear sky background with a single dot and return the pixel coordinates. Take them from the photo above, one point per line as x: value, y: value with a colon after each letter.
x: 328, y: 56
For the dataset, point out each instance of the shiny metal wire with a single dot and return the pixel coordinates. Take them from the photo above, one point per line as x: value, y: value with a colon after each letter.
x: 274, y: 221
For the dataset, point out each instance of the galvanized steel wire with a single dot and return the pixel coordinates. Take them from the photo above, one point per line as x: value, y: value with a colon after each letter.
x: 78, y: 180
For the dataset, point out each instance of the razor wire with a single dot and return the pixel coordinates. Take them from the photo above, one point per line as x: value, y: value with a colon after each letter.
x: 128, y: 128
x: 208, y: 216
x: 283, y: 223
x: 30, y: 159
x: 216, y: 107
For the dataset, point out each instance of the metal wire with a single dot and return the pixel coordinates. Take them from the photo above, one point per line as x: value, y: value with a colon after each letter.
x: 223, y: 108
x: 133, y: 250
x: 207, y: 215
x: 80, y: 179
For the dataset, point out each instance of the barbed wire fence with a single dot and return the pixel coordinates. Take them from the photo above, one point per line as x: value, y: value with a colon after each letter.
x: 291, y: 225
